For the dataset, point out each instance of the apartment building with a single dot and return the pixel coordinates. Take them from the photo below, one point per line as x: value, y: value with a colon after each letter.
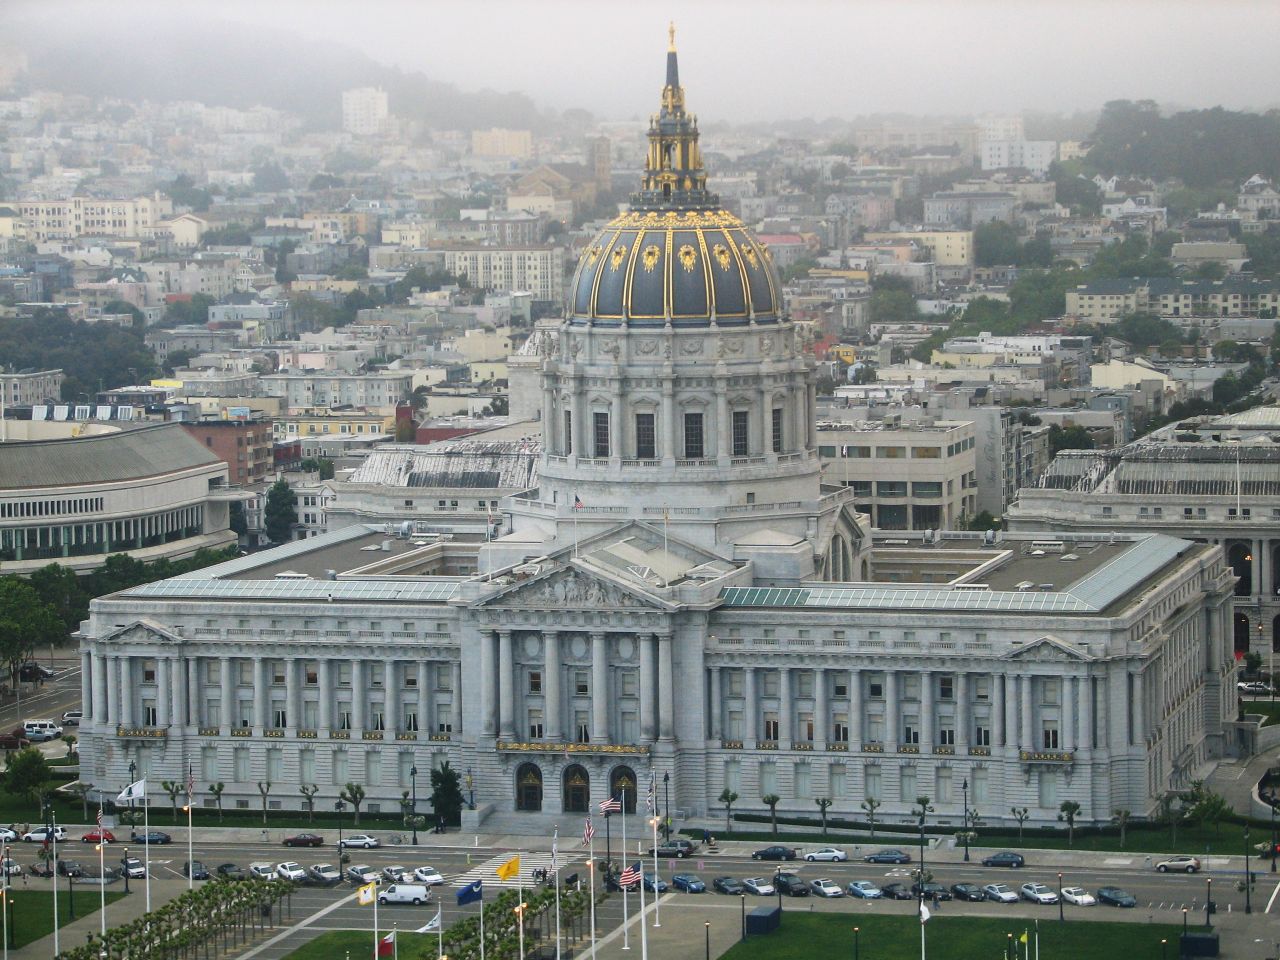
x: 92, y: 217
x: 537, y: 268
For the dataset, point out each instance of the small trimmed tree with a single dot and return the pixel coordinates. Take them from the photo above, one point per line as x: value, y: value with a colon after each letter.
x: 771, y: 801
x: 215, y: 791
x: 353, y: 794
x: 871, y: 805
x: 173, y: 788
x: 823, y: 803
x: 1022, y: 815
x: 264, y: 788
x: 82, y: 790
x: 728, y: 798
x: 309, y: 800
x: 1120, y: 818
x: 1067, y: 813
x: 70, y: 740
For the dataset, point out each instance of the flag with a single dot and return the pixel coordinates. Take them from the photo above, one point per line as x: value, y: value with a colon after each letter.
x: 387, y: 945
x: 471, y: 893
x: 367, y: 894
x: 191, y: 782
x: 432, y: 925
x: 577, y: 502
x: 134, y: 791
x: 555, y: 850
x: 509, y: 869
x: 99, y: 818
x: 924, y: 913
x: 649, y: 800
x: 588, y: 831
x: 612, y: 805
x: 1023, y: 938
x: 629, y: 876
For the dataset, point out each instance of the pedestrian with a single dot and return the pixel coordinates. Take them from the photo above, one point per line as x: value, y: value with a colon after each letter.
x: 706, y: 836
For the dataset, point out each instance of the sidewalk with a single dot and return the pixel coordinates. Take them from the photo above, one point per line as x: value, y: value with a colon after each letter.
x: 1236, y: 782
x: 124, y: 910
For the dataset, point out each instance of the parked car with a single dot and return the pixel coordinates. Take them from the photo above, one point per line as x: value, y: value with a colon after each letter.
x: 654, y: 883
x: 362, y: 873
x: 1006, y: 858
x: 967, y: 891
x: 304, y: 840
x: 133, y: 868
x: 688, y: 845
x: 1253, y: 686
x: 428, y: 875
x: 1078, y: 896
x: 824, y: 887
x: 290, y: 870
x: 1038, y: 893
x: 760, y: 886
x: 8, y: 834
x: 414, y: 893
x: 10, y: 867
x: 930, y: 891
x: 827, y: 855
x: 15, y: 740
x: 728, y: 885
x: 30, y: 672
x: 72, y: 718
x: 99, y: 835
x: 1000, y: 893
x: 40, y: 835
x: 688, y: 883
x: 888, y: 855
x: 670, y: 850
x: 231, y: 871
x: 791, y: 885
x: 396, y: 874
x: 196, y: 869
x: 70, y: 868
x: 38, y: 731
x: 360, y: 840
x: 1116, y: 897
x: 324, y: 874
x: 154, y: 838
x: 774, y: 853
x: 864, y: 889
x: 262, y: 871
x: 1181, y: 864
x: 897, y: 891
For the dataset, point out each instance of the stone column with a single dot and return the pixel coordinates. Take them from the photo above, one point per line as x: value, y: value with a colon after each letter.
x: 112, y: 683
x: 1027, y: 739
x: 506, y: 686
x: 891, y: 717
x: 455, y: 705
x: 668, y: 431
x: 715, y: 705
x: 599, y: 688
x: 855, y: 709
x: 786, y: 710
x: 229, y: 706
x: 391, y: 697
x: 128, y: 692
x: 1139, y: 733
x: 1010, y: 732
x: 324, y: 714
x: 721, y: 436
x: 100, y: 715
x: 553, y: 702
x: 962, y: 713
x: 359, y: 697
x: 810, y: 407
x: 178, y: 683
x: 576, y: 425
x: 427, y: 697
x: 750, y: 708
x: 926, y: 712
x: 87, y: 678
x: 795, y: 441
x: 292, y: 698
x: 195, y: 693
x: 261, y: 696
x: 666, y: 690
x: 648, y: 688
x: 821, y: 712
x: 762, y: 435
x: 1086, y: 713
x: 1068, y: 737
x: 488, y: 675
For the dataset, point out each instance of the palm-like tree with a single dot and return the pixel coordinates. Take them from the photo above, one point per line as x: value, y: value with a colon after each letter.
x: 1067, y: 812
x: 264, y: 788
x: 771, y: 800
x: 309, y: 792
x: 823, y: 803
x: 215, y: 791
x: 70, y: 740
x: 1120, y: 818
x: 1021, y: 814
x: 353, y: 794
x: 871, y: 805
x: 728, y: 798
x: 82, y: 790
x: 173, y: 788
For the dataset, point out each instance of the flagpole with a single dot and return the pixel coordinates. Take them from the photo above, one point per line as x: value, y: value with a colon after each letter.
x: 1037, y: 938
x: 922, y: 954
x: 482, y: 926
x: 146, y: 829
x: 395, y: 943
x: 102, y: 887
x: 52, y: 834
x: 375, y: 923
x: 190, y: 868
x: 520, y: 910
x: 657, y: 915
x: 555, y: 869
x: 439, y: 931
x: 644, y: 930
x: 591, y: 852
x: 626, y: 915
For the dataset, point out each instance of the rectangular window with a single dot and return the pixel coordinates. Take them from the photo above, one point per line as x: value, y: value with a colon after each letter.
x: 946, y: 688
x: 771, y: 726
x: 777, y: 429
x: 581, y: 685
x: 982, y: 734
x: 693, y: 448
x: 1050, y: 735
x: 874, y: 782
x: 411, y: 719
x: 978, y: 781
x: 840, y: 728
x: 768, y: 777
x: 535, y: 681
x: 600, y: 432
x: 646, y: 445
x: 875, y: 688
x: 907, y: 785
x: 741, y: 435
x: 944, y: 784
x: 279, y: 718
x: 535, y: 724
x: 803, y: 779
x: 946, y: 737
x: 911, y: 730
x: 148, y: 714
x: 582, y: 728
x: 568, y: 433
x: 241, y: 759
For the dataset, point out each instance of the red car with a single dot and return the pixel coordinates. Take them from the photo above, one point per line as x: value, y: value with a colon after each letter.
x: 304, y: 840
x: 15, y: 740
x: 99, y: 835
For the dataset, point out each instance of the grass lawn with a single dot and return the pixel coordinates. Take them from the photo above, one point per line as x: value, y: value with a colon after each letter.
x: 807, y: 935
x: 1269, y: 709
x: 32, y: 911
x: 337, y: 943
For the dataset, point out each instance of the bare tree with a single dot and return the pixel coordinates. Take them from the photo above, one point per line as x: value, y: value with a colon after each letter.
x: 309, y: 793
x: 264, y: 789
x: 823, y: 803
x: 1022, y: 815
x: 871, y: 805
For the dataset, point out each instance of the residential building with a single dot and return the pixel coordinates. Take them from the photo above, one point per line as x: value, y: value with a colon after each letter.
x: 92, y: 217
x: 303, y: 390
x: 25, y: 388
x: 364, y: 111
x: 244, y: 445
x: 537, y: 268
x: 496, y: 142
x: 1034, y: 156
x: 1105, y: 301
x: 954, y: 209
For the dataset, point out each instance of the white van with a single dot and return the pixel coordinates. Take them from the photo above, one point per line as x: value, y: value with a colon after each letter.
x: 414, y: 893
x: 38, y: 730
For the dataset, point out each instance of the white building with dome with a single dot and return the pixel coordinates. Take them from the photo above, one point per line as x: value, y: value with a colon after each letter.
x: 680, y: 597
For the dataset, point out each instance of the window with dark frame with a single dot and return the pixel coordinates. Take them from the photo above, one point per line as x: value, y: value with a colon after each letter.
x: 600, y: 431
x: 693, y: 446
x: 646, y: 444
x: 741, y: 433
x: 777, y: 429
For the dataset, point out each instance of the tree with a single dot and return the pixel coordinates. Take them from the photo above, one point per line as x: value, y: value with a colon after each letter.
x: 1022, y: 815
x: 70, y: 740
x: 1120, y: 817
x: 25, y: 624
x: 27, y: 774
x: 309, y: 799
x: 1075, y: 191
x: 1170, y: 811
x: 1252, y: 663
x: 995, y: 244
x: 1069, y: 438
x: 270, y: 178
x: 82, y: 790
x: 280, y: 512
x: 353, y: 794
x: 728, y: 798
x: 215, y: 791
x: 770, y: 800
x: 982, y: 520
x: 1067, y: 812
x: 173, y: 788
x: 871, y: 804
x: 263, y: 789
x: 63, y: 592
x: 823, y: 803
x: 239, y: 522
x: 446, y: 793
x: 321, y: 465
x: 1208, y: 807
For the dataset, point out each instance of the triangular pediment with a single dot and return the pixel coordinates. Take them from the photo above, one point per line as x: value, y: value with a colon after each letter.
x: 143, y: 631
x: 566, y: 588
x: 1047, y: 649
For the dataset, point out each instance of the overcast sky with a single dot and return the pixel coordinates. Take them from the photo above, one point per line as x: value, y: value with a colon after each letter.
x: 764, y: 59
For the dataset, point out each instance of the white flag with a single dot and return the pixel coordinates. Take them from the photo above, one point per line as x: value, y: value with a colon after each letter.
x: 134, y: 791
x: 924, y: 913
x: 432, y: 925
x: 555, y: 844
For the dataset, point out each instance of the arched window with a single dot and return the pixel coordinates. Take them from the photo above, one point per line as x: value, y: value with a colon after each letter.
x: 622, y: 785
x: 1241, y: 560
x: 1241, y: 635
x: 577, y: 789
x: 528, y: 787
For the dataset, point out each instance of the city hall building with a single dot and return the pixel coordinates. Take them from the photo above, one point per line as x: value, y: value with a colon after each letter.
x: 680, y: 596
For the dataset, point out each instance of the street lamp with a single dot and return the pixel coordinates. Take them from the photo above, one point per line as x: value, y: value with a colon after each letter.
x: 413, y: 810
x: 744, y: 916
x: 964, y: 790
x: 777, y: 885
x: 1060, y: 914
x: 666, y: 802
x: 338, y: 808
x: 1208, y: 901
x: 707, y: 926
x: 1010, y: 951
x: 855, y: 943
x: 1248, y: 900
x: 126, y: 867
x: 1184, y: 921
x: 1164, y: 945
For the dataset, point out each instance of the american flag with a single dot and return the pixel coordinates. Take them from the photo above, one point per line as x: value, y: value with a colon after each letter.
x: 588, y: 831
x: 191, y: 783
x: 612, y: 805
x: 577, y: 502
x: 629, y: 876
x: 648, y: 799
x: 99, y: 818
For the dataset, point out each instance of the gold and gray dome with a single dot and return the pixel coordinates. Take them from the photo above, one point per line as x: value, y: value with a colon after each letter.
x: 677, y: 257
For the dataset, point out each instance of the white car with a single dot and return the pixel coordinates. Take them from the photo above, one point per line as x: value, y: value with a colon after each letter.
x: 362, y: 840
x: 262, y: 871
x: 1000, y: 893
x: 1253, y: 686
x: 1078, y: 896
x: 7, y: 834
x: 827, y: 855
x: 825, y: 888
x: 428, y: 875
x: 10, y: 867
x: 290, y: 871
x: 396, y: 874
x: 1038, y: 893
x: 760, y: 886
x: 38, y: 835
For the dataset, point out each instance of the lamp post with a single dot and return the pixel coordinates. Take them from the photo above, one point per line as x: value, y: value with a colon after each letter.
x: 855, y: 943
x: 338, y: 808
x: 1060, y: 914
x: 1208, y: 901
x: 126, y: 868
x: 413, y: 809
x: 1184, y: 921
x: 964, y: 790
x: 1164, y: 949
x: 1010, y: 951
x: 666, y: 803
x: 1273, y: 838
x: 1248, y: 899
x: 707, y: 926
x: 743, y: 896
x: 471, y: 790
x: 71, y: 895
x: 777, y: 885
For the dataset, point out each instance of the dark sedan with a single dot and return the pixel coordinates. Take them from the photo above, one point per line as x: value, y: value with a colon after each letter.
x: 1005, y: 858
x: 930, y: 891
x: 897, y: 891
x: 154, y: 838
x: 304, y: 840
x: 968, y: 891
x: 774, y: 853
x: 229, y: 871
x: 728, y: 885
x: 791, y: 885
x: 1116, y: 897
x: 888, y: 856
x: 196, y: 870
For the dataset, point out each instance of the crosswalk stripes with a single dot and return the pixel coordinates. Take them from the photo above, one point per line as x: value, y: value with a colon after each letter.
x: 529, y: 862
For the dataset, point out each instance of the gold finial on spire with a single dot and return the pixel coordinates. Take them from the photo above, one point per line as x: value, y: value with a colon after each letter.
x: 671, y: 36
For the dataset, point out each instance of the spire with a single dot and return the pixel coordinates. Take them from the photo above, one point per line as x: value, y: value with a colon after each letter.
x: 673, y: 68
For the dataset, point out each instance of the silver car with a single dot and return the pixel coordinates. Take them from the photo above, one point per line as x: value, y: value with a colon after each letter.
x: 1000, y: 893
x: 827, y: 855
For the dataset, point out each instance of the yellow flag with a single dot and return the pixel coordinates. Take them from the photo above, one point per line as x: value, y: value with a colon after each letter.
x: 509, y: 869
x: 1023, y: 938
x: 366, y: 894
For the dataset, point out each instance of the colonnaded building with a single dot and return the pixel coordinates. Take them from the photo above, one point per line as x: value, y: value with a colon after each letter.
x: 678, y: 595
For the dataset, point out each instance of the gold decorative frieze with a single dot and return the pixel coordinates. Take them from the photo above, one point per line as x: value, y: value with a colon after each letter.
x: 142, y: 733
x: 573, y: 748
x: 1046, y: 756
